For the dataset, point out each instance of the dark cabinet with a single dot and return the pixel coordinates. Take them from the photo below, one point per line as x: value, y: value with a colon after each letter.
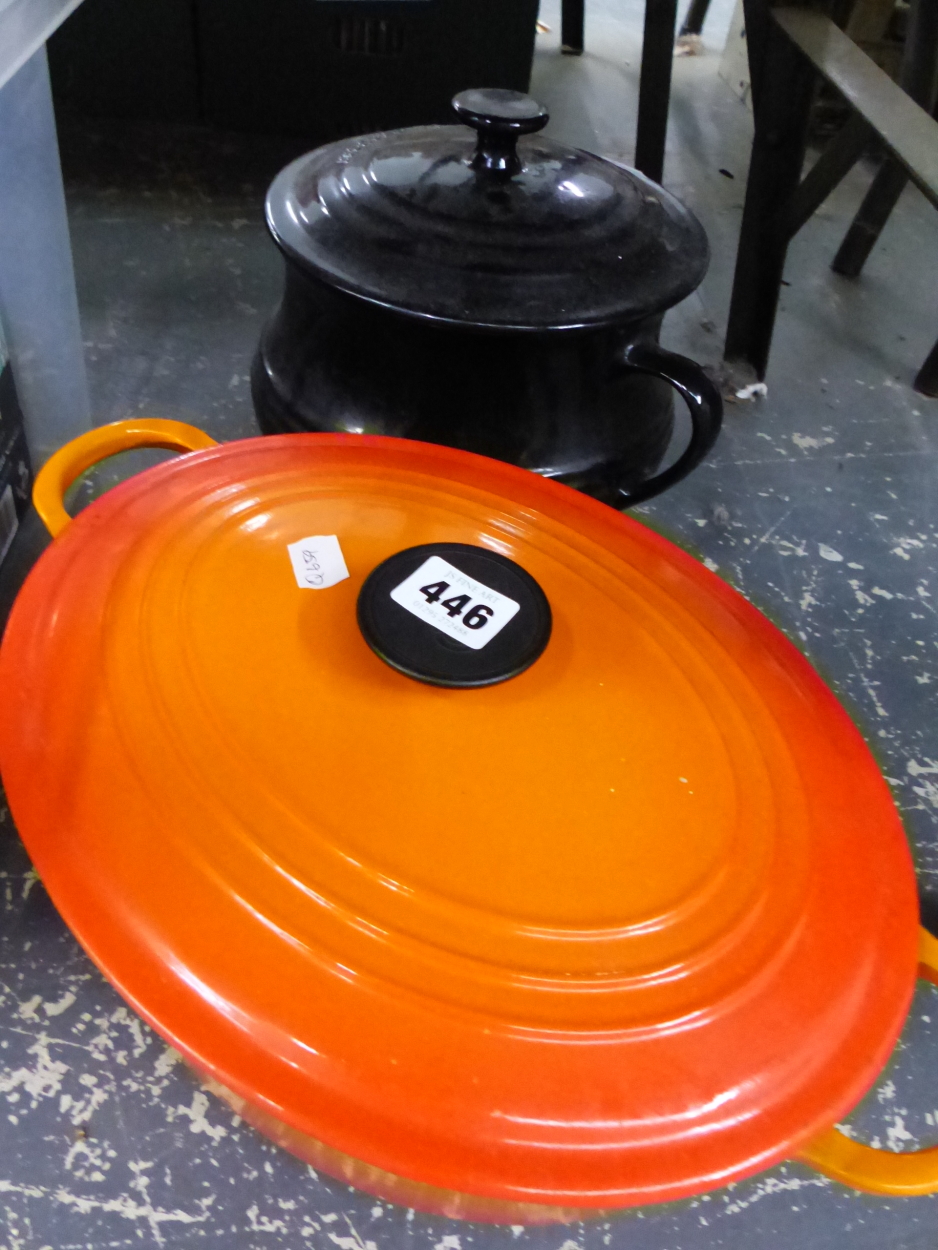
x: 317, y: 69
x: 134, y: 59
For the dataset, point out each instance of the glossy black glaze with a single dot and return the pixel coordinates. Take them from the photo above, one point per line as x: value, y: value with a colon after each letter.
x: 496, y: 292
x: 498, y: 132
x: 561, y: 405
x: 440, y: 223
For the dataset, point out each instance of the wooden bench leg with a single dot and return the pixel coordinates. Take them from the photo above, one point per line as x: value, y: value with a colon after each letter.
x: 756, y: 19
x: 917, y: 77
x: 926, y: 381
x: 654, y: 87
x: 778, y: 151
x: 571, y: 27
x: 871, y: 217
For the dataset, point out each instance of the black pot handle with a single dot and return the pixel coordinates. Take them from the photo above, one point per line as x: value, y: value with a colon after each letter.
x: 703, y: 402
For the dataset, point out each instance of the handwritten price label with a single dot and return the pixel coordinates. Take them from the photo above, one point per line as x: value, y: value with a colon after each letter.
x: 317, y: 562
x: 459, y: 606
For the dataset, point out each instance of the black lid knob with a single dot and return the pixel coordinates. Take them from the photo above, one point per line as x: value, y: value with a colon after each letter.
x: 499, y: 116
x: 453, y: 614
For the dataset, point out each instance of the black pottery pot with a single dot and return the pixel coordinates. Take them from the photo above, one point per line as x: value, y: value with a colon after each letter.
x: 496, y: 292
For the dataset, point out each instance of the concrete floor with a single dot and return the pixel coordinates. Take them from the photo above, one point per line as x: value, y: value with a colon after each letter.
x: 819, y: 504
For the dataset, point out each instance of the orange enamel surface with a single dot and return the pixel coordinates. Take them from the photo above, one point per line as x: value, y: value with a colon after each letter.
x: 631, y: 925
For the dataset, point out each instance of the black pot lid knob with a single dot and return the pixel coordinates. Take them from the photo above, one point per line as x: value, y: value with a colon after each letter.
x: 500, y: 117
x: 453, y: 614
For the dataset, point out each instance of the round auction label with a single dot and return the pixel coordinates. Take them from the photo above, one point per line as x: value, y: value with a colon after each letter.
x: 452, y: 614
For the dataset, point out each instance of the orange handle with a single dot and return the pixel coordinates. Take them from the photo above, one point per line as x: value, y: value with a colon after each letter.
x: 70, y: 461
x: 879, y: 1171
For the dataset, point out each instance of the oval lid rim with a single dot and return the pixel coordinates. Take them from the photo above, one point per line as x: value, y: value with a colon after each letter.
x: 529, y: 486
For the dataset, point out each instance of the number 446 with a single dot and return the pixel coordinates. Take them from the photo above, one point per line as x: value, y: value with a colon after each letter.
x: 475, y: 618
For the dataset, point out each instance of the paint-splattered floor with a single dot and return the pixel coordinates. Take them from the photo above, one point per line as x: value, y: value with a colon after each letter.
x: 820, y: 504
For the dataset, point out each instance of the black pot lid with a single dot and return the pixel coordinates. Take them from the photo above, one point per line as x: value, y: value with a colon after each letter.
x: 487, y: 224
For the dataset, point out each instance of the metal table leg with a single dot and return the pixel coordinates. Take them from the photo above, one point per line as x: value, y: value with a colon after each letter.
x: 654, y: 91
x: 696, y: 16
x: 38, y: 304
x: 571, y: 27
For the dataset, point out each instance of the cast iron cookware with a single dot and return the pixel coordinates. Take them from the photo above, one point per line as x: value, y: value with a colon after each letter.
x: 470, y: 838
x: 487, y: 288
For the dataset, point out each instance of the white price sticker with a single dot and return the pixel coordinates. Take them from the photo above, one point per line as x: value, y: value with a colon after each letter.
x: 317, y: 562
x: 454, y: 603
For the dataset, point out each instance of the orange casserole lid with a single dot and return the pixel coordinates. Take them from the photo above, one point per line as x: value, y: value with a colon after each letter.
x: 634, y: 923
